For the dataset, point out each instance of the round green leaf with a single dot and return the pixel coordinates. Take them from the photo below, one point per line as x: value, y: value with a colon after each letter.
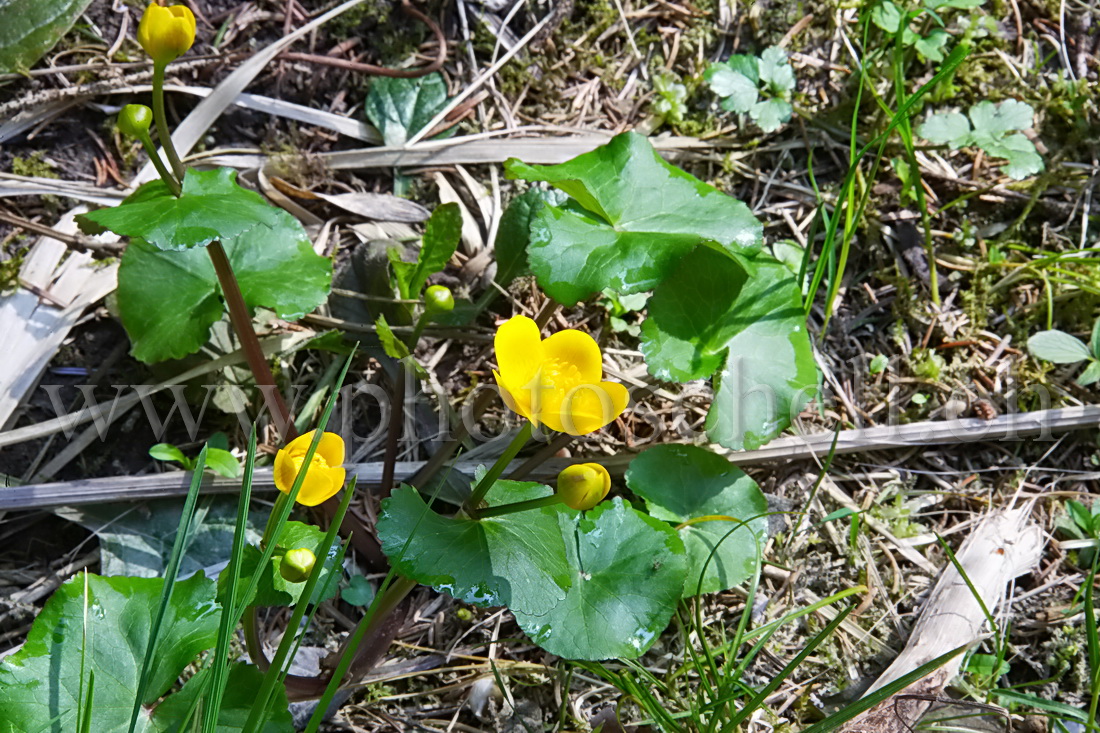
x: 211, y: 206
x: 743, y: 318
x: 632, y: 218
x: 41, y: 682
x: 627, y: 576
x: 705, y: 493
x: 169, y: 300
x: 515, y: 560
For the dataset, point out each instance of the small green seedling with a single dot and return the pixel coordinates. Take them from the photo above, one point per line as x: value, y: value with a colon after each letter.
x: 1082, y: 526
x: 931, y: 45
x: 219, y: 460
x: 622, y: 311
x: 989, y: 127
x: 1062, y: 348
x: 879, y: 364
x: 759, y: 87
x: 670, y: 96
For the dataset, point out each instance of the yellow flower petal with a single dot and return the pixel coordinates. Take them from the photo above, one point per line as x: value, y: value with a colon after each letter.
x: 588, y: 407
x: 519, y: 350
x: 516, y: 398
x: 321, y: 484
x: 331, y: 448
x: 578, y: 349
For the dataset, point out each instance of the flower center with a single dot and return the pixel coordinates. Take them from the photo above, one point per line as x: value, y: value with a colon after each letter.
x: 558, y: 375
x: 317, y: 462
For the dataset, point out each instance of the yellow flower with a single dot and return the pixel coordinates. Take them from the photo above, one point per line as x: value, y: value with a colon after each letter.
x: 556, y: 382
x: 325, y: 474
x: 584, y: 485
x: 166, y: 33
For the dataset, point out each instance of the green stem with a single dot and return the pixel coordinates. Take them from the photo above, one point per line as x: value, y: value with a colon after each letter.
x: 519, y: 506
x: 498, y: 468
x: 421, y: 324
x: 154, y: 158
x: 162, y: 121
x: 376, y: 616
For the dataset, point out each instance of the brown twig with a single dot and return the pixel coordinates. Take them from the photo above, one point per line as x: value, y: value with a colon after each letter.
x: 101, y: 250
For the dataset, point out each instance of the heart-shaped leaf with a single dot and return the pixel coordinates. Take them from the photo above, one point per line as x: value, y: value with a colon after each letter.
x: 169, y: 300
x: 211, y: 206
x: 709, y: 498
x: 515, y: 560
x: 42, y: 681
x: 632, y: 218
x: 743, y: 318
x: 30, y: 28
x: 627, y: 574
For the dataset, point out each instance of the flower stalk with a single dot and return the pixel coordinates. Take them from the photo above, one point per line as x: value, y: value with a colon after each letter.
x: 494, y: 473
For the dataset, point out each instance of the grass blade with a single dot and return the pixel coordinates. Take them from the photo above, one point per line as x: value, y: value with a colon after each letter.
x: 170, y: 573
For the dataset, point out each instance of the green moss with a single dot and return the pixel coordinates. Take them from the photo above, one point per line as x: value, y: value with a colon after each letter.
x: 34, y: 166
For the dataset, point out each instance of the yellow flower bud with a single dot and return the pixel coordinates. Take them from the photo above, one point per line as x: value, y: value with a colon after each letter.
x: 324, y: 475
x: 583, y: 485
x: 297, y: 564
x: 166, y: 33
x: 134, y: 120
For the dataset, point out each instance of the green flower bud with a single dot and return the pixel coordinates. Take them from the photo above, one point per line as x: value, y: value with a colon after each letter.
x: 297, y: 565
x: 583, y: 486
x: 438, y: 299
x: 134, y: 120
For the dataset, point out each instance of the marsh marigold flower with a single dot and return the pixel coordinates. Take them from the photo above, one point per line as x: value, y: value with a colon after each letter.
x: 166, y: 33
x: 555, y: 382
x: 325, y: 474
x: 583, y: 485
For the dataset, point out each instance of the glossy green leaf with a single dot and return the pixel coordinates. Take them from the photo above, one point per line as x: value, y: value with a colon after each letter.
x: 516, y: 560
x: 169, y: 300
x: 212, y: 206
x: 742, y: 321
x: 240, y: 691
x: 399, y: 108
x: 273, y: 589
x: 514, y: 233
x: 40, y: 683
x: 30, y: 28
x: 168, y: 452
x: 691, y: 486
x: 627, y: 574
x: 441, y: 236
x: 632, y: 218
x: 223, y: 463
x: 1058, y: 347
